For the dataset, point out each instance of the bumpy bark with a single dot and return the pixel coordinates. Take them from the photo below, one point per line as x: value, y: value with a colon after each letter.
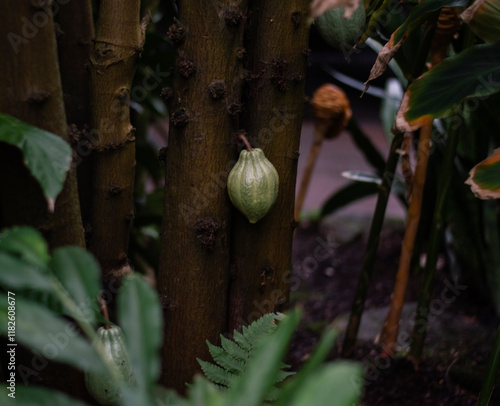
x: 194, y: 266
x: 31, y: 91
x: 118, y: 44
x: 277, y: 60
x: 74, y: 40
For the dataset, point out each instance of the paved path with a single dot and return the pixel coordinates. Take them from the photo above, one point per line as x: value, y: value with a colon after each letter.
x: 335, y: 157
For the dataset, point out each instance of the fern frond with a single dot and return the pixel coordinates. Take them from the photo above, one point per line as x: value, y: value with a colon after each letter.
x: 215, y: 373
x: 228, y: 363
x: 232, y: 357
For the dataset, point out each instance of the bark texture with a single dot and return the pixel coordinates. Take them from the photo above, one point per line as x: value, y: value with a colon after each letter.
x: 31, y: 91
x: 117, y: 46
x: 194, y: 265
x: 76, y: 30
x: 277, y: 60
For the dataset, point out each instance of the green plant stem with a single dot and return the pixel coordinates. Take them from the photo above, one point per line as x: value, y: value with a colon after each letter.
x: 75, y: 312
x: 491, y: 373
x: 371, y: 250
x: 420, y: 329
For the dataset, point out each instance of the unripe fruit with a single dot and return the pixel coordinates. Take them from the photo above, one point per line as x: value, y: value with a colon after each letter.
x: 100, y: 385
x: 253, y: 184
x: 339, y: 32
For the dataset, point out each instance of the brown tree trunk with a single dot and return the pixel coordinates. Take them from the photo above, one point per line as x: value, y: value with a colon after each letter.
x: 194, y: 265
x: 117, y: 46
x: 31, y: 91
x: 277, y: 59
x: 76, y: 30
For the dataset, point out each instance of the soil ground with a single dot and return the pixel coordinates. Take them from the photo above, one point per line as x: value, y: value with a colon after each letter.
x: 460, y: 335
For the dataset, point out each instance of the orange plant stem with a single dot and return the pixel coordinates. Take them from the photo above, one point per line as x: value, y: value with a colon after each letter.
x: 391, y: 326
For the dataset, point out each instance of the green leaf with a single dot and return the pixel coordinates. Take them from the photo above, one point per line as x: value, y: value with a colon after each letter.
x: 35, y: 395
x: 251, y: 388
x: 140, y: 318
x: 79, y: 273
x: 204, y: 393
x: 474, y: 72
x: 17, y: 275
x: 338, y: 384
x: 54, y: 338
x: 296, y: 384
x: 390, y: 104
x: 484, y: 178
x: 27, y: 244
x: 348, y: 194
x: 46, y: 155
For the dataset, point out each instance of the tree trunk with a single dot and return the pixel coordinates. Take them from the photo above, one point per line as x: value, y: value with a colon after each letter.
x: 277, y: 59
x: 29, y: 78
x: 194, y: 265
x: 117, y: 46
x: 76, y: 30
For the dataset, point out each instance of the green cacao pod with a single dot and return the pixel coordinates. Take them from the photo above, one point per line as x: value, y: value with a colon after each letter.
x: 339, y: 32
x: 100, y: 385
x: 253, y: 184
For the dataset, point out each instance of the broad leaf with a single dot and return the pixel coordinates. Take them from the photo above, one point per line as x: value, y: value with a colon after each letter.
x: 204, y: 393
x: 341, y: 382
x: 54, y: 338
x: 35, y: 395
x: 251, y: 388
x: 483, y: 16
x: 16, y: 274
x: 484, y: 178
x: 79, y: 273
x: 25, y: 243
x: 474, y: 72
x: 348, y: 194
x: 417, y: 16
x: 47, y: 156
x: 140, y: 318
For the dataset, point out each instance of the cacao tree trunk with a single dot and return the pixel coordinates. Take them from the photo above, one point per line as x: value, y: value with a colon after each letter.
x: 194, y: 265
x: 31, y: 91
x: 277, y: 60
x: 117, y: 46
x: 76, y: 30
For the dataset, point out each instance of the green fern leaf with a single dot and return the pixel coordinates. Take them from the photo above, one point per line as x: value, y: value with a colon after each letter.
x: 234, y: 349
x: 228, y: 363
x: 216, y: 374
x: 232, y: 357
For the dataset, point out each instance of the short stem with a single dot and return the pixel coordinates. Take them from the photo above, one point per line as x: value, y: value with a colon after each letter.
x: 104, y: 312
x: 243, y: 138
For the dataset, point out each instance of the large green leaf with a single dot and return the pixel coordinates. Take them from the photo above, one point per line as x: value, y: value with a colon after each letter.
x: 474, y: 72
x: 251, y: 388
x: 79, y: 274
x: 25, y: 243
x: 54, y: 338
x: 348, y: 194
x: 139, y: 315
x: 16, y: 274
x: 47, y: 156
x: 35, y: 395
x: 338, y: 384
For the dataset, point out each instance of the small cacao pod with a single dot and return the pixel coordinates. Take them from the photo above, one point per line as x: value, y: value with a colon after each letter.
x: 100, y: 385
x: 253, y: 184
x: 339, y: 32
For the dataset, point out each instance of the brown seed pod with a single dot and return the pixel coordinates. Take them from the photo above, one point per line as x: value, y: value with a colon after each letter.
x: 331, y: 110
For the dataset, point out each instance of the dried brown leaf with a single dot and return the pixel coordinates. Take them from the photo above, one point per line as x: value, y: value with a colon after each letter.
x: 319, y: 7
